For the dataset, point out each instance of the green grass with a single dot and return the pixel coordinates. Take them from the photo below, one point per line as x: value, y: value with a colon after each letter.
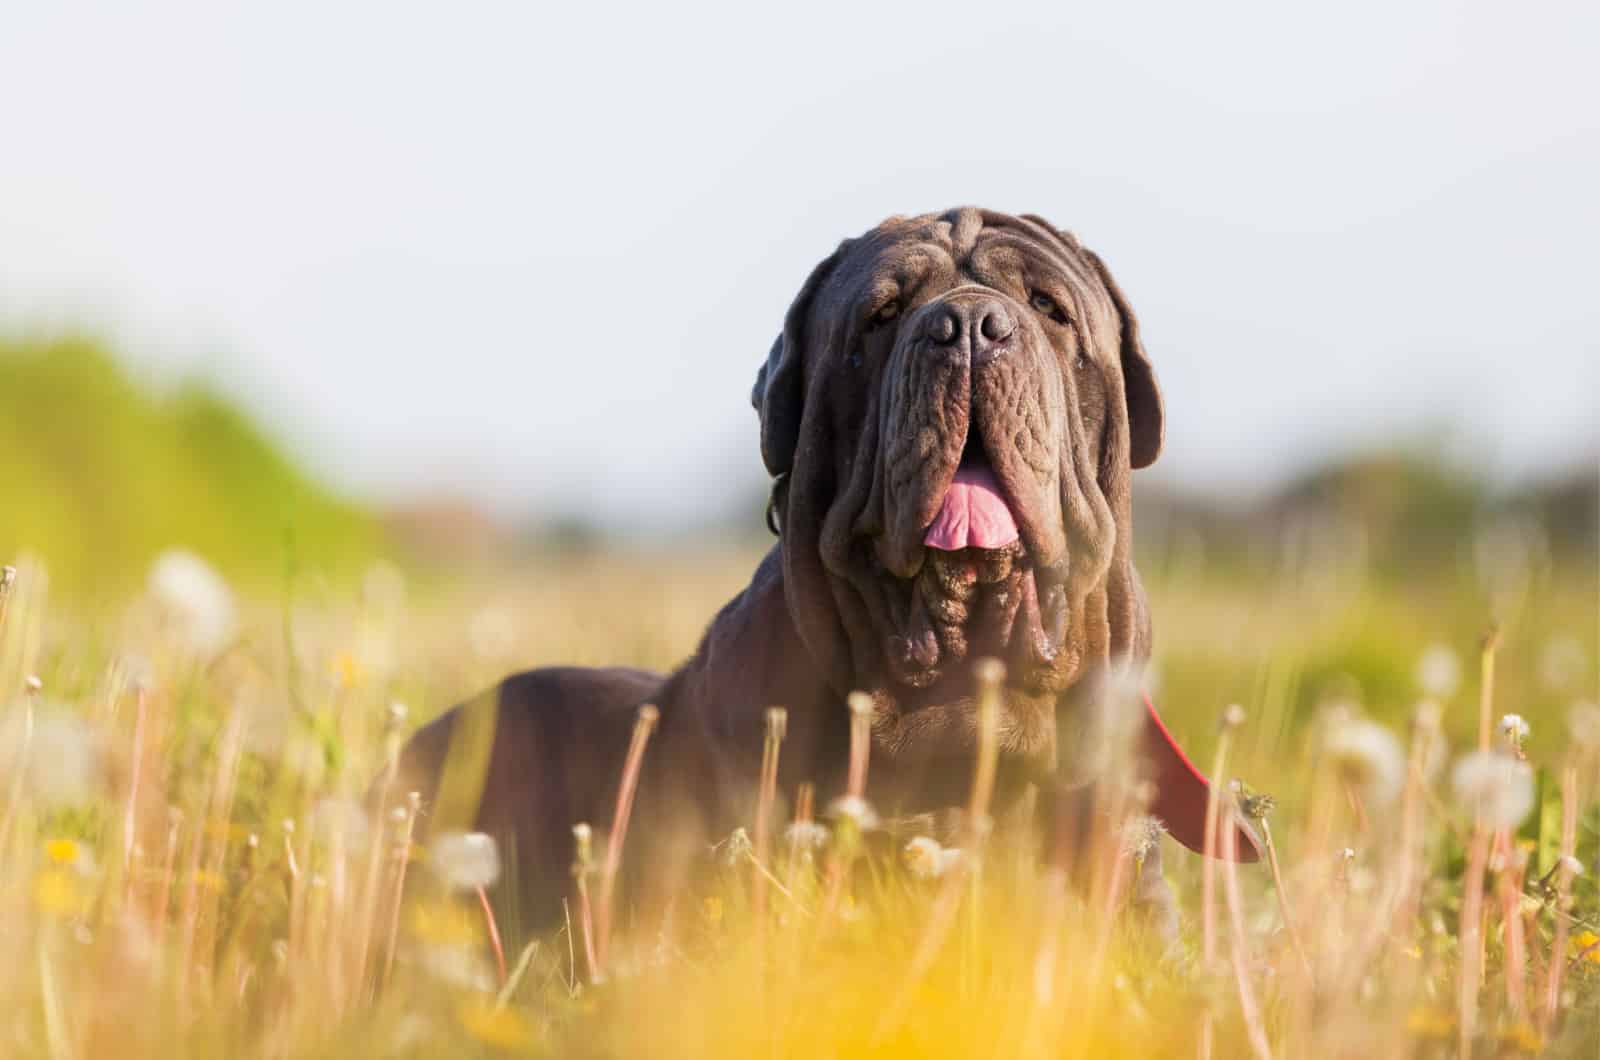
x: 154, y: 901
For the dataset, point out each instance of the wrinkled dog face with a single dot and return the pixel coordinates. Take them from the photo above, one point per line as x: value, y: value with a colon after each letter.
x: 957, y: 400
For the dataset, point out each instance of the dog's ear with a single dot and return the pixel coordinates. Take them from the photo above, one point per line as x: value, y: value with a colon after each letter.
x: 779, y: 392
x: 1146, y: 420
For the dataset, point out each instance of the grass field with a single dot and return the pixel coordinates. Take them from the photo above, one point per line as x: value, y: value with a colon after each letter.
x: 186, y: 868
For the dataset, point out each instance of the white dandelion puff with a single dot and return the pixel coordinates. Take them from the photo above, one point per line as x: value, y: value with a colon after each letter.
x: 1368, y: 757
x: 466, y: 861
x: 195, y: 599
x: 1562, y: 664
x: 927, y: 859
x: 1142, y: 834
x: 854, y: 809
x: 1583, y: 722
x: 1494, y: 787
x: 63, y: 765
x: 1514, y: 730
x: 1439, y: 671
x: 806, y: 835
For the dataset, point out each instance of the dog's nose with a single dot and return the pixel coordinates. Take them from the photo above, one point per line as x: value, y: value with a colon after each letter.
x: 981, y: 325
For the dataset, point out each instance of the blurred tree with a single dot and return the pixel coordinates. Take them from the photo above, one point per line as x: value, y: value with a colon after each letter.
x: 97, y: 475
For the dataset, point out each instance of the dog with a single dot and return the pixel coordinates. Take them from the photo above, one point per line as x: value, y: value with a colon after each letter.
x: 951, y: 417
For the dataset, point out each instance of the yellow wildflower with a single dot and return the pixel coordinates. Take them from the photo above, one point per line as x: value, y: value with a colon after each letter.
x: 1522, y: 1037
x: 1431, y: 1021
x: 348, y: 671
x: 57, y: 892
x: 444, y: 923
x: 1586, y: 943
x: 499, y: 1026
x: 63, y: 851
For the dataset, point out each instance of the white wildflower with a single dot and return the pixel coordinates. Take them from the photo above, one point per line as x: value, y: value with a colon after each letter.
x: 1368, y: 757
x: 63, y: 764
x: 806, y: 835
x: 1514, y: 729
x: 1583, y: 721
x: 854, y: 809
x: 1573, y: 866
x: 927, y: 859
x: 195, y: 599
x: 1439, y: 671
x: 1493, y: 787
x: 1142, y: 834
x: 1562, y: 664
x: 466, y: 861
x: 736, y: 848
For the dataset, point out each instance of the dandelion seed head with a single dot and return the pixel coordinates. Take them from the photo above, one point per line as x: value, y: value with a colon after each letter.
x: 1493, y: 787
x: 64, y: 764
x: 1368, y: 758
x: 854, y: 810
x: 1583, y: 722
x: 927, y: 859
x: 1514, y: 729
x: 1563, y: 664
x: 1141, y: 835
x: 466, y: 861
x: 195, y: 599
x: 806, y: 835
x: 1439, y: 671
x: 737, y: 847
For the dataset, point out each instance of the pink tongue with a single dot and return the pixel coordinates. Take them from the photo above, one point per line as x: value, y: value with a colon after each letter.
x: 974, y: 515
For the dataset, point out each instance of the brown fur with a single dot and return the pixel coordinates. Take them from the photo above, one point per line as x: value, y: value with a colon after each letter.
x: 865, y: 413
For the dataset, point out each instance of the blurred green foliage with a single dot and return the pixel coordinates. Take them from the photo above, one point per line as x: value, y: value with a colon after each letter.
x: 98, y: 475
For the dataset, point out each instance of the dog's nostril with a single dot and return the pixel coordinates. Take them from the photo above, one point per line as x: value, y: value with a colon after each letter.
x: 945, y: 327
x: 997, y: 325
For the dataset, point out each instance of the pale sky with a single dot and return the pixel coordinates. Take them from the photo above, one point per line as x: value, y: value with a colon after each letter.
x: 533, y: 253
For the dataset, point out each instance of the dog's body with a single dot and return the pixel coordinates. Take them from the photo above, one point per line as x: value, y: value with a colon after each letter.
x: 951, y: 415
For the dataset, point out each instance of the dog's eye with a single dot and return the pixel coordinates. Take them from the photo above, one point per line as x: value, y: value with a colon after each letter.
x: 886, y: 314
x: 1044, y: 305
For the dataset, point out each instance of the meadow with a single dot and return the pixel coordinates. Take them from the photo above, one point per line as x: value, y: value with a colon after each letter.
x: 188, y: 869
x: 1394, y: 660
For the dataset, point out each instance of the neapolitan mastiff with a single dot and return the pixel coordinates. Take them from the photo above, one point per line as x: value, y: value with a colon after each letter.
x: 952, y: 415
